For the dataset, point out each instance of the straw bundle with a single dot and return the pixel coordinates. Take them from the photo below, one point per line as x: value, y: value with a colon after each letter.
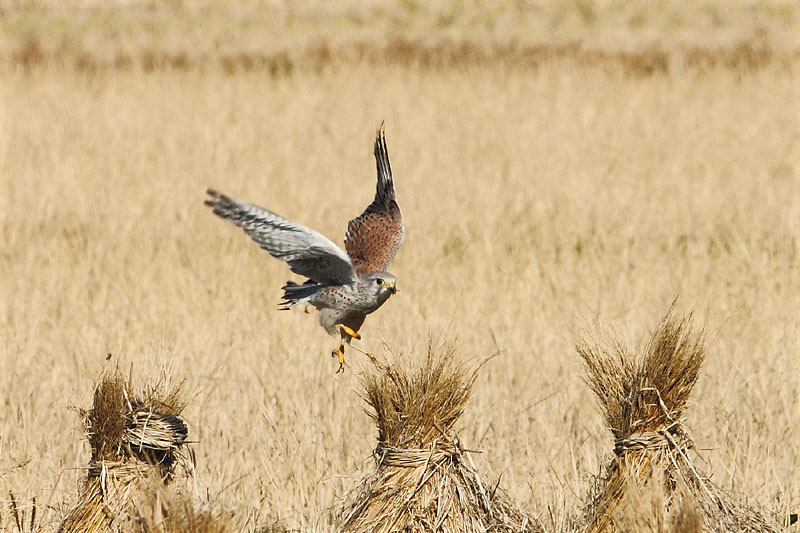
x: 643, y: 398
x: 424, y: 480
x: 131, y: 437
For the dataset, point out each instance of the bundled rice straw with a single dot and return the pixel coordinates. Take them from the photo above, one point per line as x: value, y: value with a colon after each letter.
x: 643, y: 399
x: 132, y: 437
x: 424, y: 480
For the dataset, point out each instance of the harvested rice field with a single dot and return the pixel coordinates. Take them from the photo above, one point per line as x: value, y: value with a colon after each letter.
x: 601, y: 200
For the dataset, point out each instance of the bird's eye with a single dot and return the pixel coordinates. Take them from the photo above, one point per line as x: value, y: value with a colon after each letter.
x: 379, y: 281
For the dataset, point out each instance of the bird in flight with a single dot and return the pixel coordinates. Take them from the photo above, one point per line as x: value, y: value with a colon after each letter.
x: 344, y: 286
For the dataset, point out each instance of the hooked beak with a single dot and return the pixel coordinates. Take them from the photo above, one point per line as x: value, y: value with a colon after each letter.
x: 391, y: 287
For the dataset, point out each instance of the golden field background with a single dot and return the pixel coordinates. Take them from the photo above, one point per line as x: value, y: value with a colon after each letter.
x: 539, y: 197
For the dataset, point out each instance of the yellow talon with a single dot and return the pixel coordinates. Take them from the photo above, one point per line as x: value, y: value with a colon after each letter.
x: 351, y: 332
x: 339, y: 352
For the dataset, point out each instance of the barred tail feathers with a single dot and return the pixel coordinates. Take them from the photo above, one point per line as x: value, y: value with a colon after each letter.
x: 294, y: 294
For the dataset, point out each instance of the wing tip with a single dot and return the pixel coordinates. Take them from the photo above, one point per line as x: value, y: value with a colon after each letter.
x: 380, y: 139
x: 381, y: 152
x: 215, y: 197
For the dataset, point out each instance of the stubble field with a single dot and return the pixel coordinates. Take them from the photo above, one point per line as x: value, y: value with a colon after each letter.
x: 538, y: 200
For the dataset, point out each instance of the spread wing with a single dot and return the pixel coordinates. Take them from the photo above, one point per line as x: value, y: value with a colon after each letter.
x: 308, y: 253
x: 373, y: 239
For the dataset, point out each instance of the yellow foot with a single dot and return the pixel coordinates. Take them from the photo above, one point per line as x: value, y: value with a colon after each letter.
x: 351, y: 332
x: 339, y: 352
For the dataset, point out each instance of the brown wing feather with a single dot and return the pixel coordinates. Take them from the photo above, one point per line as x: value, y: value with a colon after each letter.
x: 373, y: 239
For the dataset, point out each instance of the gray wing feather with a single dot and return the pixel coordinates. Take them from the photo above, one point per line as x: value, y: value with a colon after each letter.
x: 307, y: 252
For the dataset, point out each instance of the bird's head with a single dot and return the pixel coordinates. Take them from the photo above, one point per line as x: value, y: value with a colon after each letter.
x: 382, y: 284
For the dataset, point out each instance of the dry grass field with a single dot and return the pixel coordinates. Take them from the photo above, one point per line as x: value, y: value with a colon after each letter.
x: 541, y: 193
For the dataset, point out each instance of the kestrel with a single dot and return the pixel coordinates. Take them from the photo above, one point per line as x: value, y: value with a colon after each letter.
x: 344, y: 286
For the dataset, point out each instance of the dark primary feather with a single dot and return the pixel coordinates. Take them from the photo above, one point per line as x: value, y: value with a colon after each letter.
x: 384, y: 195
x: 373, y: 239
x: 307, y: 252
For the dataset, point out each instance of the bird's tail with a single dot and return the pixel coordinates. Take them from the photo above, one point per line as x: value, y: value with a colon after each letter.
x: 294, y: 294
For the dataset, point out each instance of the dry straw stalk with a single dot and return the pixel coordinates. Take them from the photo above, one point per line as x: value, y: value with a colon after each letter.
x: 424, y: 479
x: 133, y: 436
x: 161, y: 510
x: 643, y: 397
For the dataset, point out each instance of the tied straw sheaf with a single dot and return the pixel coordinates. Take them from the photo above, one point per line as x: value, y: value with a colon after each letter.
x: 643, y: 397
x: 134, y: 436
x: 423, y: 479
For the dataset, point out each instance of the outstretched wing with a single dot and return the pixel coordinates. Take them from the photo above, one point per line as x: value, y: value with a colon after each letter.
x: 373, y: 239
x: 308, y: 253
